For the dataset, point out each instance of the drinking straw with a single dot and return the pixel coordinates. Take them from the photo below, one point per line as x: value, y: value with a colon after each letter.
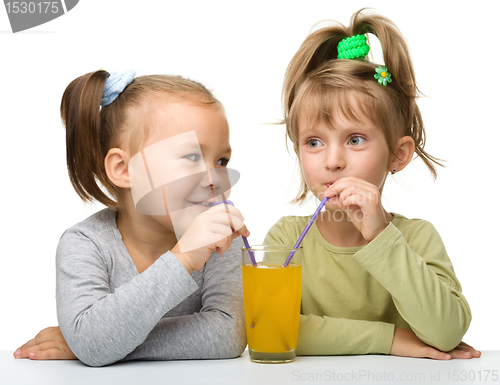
x: 306, y: 229
x: 245, y: 241
x: 226, y: 202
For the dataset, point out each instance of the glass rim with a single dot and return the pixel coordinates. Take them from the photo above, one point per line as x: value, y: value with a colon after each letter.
x: 273, y: 248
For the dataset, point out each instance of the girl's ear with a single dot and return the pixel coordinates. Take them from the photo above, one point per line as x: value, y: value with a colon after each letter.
x: 405, y: 148
x: 116, y: 165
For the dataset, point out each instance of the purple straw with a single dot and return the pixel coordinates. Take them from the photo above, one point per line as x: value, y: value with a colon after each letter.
x: 252, y: 257
x: 306, y: 229
x: 245, y: 241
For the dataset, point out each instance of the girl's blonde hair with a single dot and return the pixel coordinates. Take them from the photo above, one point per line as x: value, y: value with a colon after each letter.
x: 316, y: 77
x: 92, y: 130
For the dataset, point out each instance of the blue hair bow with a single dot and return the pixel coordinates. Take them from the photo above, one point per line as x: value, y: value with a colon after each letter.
x: 115, y: 84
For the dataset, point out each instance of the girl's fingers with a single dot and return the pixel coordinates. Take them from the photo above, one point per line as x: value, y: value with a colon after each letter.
x: 49, y: 354
x: 225, y: 241
x: 50, y: 329
x: 344, y: 183
x: 224, y: 218
x: 28, y: 344
x: 237, y: 224
x: 222, y: 245
x: 222, y: 209
x: 220, y: 231
x: 368, y: 195
x: 460, y: 354
x: 19, y: 354
x: 242, y: 231
x: 43, y: 346
x: 358, y: 197
x: 43, y: 336
x: 462, y: 346
x: 357, y: 200
x: 25, y: 351
x: 453, y: 354
x: 436, y: 354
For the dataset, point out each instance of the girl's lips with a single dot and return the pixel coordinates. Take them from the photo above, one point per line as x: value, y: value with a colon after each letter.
x: 204, y: 204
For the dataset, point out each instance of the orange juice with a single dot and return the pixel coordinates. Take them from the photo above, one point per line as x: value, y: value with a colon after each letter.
x: 271, y: 295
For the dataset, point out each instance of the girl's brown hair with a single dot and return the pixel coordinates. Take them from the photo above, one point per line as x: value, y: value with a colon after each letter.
x: 92, y: 130
x: 316, y: 77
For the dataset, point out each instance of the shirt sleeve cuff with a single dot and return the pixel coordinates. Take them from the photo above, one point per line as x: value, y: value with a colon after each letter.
x: 169, y: 263
x: 386, y: 337
x: 379, y: 245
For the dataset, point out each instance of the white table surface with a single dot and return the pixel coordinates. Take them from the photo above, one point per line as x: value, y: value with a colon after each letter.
x: 334, y: 370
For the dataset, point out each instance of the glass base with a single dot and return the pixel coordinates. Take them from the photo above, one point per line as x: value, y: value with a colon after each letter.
x: 271, y: 358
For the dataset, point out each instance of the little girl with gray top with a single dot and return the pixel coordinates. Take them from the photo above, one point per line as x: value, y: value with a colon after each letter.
x: 129, y: 286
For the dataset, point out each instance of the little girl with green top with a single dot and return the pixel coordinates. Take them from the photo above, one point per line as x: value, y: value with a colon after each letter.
x: 373, y: 281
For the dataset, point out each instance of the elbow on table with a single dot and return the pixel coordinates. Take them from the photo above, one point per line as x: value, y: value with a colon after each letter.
x: 445, y: 339
x: 235, y: 347
x: 238, y: 348
x: 446, y: 332
x: 95, y: 363
x: 94, y: 353
x: 234, y: 339
x: 95, y: 360
x: 444, y: 345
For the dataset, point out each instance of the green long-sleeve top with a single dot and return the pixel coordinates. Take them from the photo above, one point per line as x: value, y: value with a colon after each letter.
x: 353, y: 297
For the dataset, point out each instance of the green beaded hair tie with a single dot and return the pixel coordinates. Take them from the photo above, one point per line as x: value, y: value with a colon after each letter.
x: 353, y: 47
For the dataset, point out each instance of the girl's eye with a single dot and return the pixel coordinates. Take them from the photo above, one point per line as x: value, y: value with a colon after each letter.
x: 223, y: 162
x: 356, y: 140
x: 193, y: 157
x: 313, y: 143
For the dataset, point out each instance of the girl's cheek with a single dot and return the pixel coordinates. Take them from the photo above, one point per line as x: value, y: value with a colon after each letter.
x: 309, y: 162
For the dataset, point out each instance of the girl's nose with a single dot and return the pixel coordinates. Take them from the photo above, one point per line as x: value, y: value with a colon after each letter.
x: 211, y: 179
x: 335, y: 159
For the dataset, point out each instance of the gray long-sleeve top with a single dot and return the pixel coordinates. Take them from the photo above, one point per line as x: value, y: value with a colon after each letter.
x: 109, y: 312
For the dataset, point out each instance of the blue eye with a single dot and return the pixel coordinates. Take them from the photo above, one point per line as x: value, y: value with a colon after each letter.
x: 193, y: 157
x: 313, y: 143
x: 356, y: 140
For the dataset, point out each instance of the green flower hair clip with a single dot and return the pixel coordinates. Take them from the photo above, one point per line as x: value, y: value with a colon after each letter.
x: 353, y: 47
x: 382, y: 75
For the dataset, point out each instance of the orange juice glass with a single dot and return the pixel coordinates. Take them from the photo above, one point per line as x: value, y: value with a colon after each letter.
x: 271, y: 294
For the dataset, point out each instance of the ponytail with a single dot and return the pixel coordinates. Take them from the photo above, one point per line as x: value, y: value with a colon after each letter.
x: 85, y: 150
x: 318, y: 48
x: 397, y: 58
x: 316, y: 71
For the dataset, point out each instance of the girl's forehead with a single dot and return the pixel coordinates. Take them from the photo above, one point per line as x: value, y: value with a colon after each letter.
x: 344, y: 110
x: 171, y: 119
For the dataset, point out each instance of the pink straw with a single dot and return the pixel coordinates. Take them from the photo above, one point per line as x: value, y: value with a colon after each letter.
x: 306, y: 229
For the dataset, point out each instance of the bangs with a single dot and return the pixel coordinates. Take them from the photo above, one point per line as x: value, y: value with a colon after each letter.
x: 320, y: 105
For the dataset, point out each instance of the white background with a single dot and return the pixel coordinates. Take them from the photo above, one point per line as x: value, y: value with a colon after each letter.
x: 240, y: 50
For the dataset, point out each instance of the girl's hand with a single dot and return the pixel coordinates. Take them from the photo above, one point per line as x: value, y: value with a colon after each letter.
x: 464, y: 351
x: 361, y: 201
x: 49, y: 344
x: 407, y: 344
x: 211, y: 230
